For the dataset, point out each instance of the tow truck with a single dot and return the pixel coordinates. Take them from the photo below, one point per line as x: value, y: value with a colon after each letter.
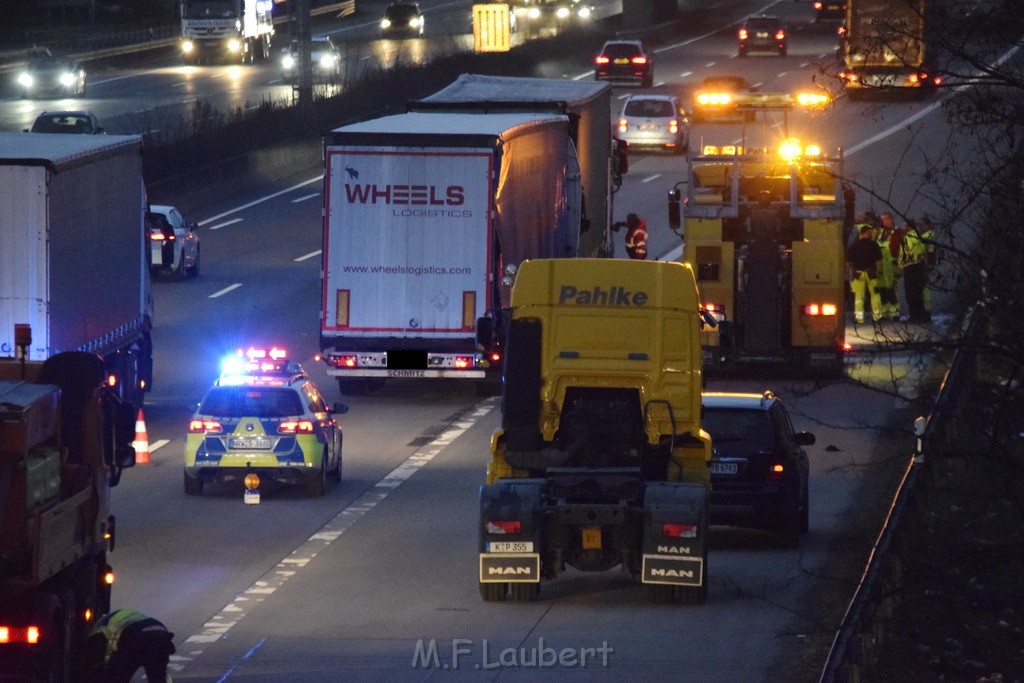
x: 600, y: 460
x: 763, y: 228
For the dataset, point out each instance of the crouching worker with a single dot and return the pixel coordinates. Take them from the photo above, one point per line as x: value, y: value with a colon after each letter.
x: 124, y: 641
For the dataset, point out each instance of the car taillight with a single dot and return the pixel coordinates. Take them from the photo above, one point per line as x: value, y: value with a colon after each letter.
x: 601, y: 59
x: 204, y: 427
x: 673, y: 126
x: 639, y: 60
x: 295, y: 427
x: 743, y: 34
x: 817, y: 5
x: 776, y: 471
x: 495, y: 357
x: 679, y: 530
x: 780, y: 35
x: 623, y: 125
x: 505, y: 526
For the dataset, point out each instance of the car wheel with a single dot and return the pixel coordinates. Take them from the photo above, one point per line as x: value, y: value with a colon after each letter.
x: 493, y: 592
x: 788, y: 532
x: 525, y: 592
x: 335, y: 473
x: 194, y: 270
x: 180, y: 271
x: 317, y: 486
x: 193, y: 485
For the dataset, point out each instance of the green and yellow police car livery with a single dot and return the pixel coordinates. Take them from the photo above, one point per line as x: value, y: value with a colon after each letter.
x: 265, y: 416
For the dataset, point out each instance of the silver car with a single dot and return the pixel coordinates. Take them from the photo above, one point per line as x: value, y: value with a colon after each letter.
x: 324, y: 55
x: 653, y: 121
x: 174, y: 244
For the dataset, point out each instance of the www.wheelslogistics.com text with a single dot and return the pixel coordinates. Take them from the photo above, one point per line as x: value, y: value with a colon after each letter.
x: 465, y: 653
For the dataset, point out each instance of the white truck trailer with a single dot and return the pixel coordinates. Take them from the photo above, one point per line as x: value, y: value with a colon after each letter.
x: 423, y: 214
x: 74, y: 258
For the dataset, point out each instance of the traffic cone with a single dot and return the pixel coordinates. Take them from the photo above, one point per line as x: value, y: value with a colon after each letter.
x: 141, y: 443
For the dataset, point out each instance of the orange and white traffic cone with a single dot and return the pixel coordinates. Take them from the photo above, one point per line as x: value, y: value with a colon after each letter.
x: 141, y: 443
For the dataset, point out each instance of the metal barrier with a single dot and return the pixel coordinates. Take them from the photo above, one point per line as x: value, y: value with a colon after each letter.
x: 872, y: 603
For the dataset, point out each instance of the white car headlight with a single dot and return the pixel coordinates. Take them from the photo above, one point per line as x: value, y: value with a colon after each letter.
x: 327, y: 61
x: 385, y: 23
x: 584, y: 12
x: 533, y: 13
x: 26, y: 80
x: 287, y: 61
x: 67, y: 79
x: 562, y: 12
x: 415, y: 21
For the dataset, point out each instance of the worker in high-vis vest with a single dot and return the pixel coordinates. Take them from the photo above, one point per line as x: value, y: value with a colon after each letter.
x: 917, y: 258
x: 124, y: 641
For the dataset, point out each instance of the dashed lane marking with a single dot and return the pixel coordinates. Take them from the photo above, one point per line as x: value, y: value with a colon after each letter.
x: 308, y: 256
x: 225, y: 223
x: 305, y: 197
x: 222, y: 622
x: 226, y: 290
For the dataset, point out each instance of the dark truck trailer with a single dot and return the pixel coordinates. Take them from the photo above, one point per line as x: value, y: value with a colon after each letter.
x: 588, y: 106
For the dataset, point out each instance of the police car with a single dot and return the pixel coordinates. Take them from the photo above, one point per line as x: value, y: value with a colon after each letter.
x: 264, y: 416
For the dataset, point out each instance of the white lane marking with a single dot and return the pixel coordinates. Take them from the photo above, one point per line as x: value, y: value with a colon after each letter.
x: 305, y: 197
x: 804, y: 64
x: 676, y: 252
x: 308, y: 256
x: 221, y: 225
x: 226, y: 290
x: 709, y: 64
x: 218, y: 626
x: 781, y: 74
x: 156, y: 445
x: 685, y: 74
x: 262, y: 199
x: 181, y: 85
x: 650, y: 178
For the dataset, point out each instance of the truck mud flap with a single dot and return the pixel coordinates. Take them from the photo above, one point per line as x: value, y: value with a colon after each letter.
x: 509, y: 530
x: 675, y: 533
x: 509, y: 567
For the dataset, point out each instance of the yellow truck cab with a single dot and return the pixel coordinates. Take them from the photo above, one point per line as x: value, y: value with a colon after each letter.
x: 600, y: 459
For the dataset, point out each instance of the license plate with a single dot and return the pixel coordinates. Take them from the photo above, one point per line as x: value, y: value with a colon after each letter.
x: 762, y: 34
x: 725, y: 468
x: 251, y: 442
x: 622, y: 60
x: 510, y: 547
x: 649, y: 126
x: 591, y: 538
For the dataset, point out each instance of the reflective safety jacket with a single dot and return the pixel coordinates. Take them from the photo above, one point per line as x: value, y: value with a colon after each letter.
x: 636, y: 240
x: 113, y: 625
x: 917, y: 247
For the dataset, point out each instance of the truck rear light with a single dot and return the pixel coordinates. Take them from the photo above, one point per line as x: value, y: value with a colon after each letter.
x: 820, y: 309
x: 463, y: 362
x: 295, y: 427
x: 111, y: 380
x: 204, y: 427
x: 159, y: 237
x: 343, y: 361
x: 495, y: 357
x: 776, y: 471
x: 623, y: 125
x: 679, y: 530
x: 505, y: 526
x: 29, y: 635
x: 108, y: 577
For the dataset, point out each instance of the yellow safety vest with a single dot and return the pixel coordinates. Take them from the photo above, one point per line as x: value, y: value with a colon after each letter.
x: 112, y: 625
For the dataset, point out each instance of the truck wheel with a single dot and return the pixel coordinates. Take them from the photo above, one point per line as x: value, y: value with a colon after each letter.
x: 493, y: 592
x: 193, y: 486
x: 317, y: 486
x: 661, y: 594
x: 525, y: 592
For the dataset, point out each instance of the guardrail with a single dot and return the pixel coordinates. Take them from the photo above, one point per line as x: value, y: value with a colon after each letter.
x: 862, y: 627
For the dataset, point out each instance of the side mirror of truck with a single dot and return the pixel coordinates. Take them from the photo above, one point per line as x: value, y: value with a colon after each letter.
x: 675, y: 217
x: 484, y: 332
x: 708, y: 319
